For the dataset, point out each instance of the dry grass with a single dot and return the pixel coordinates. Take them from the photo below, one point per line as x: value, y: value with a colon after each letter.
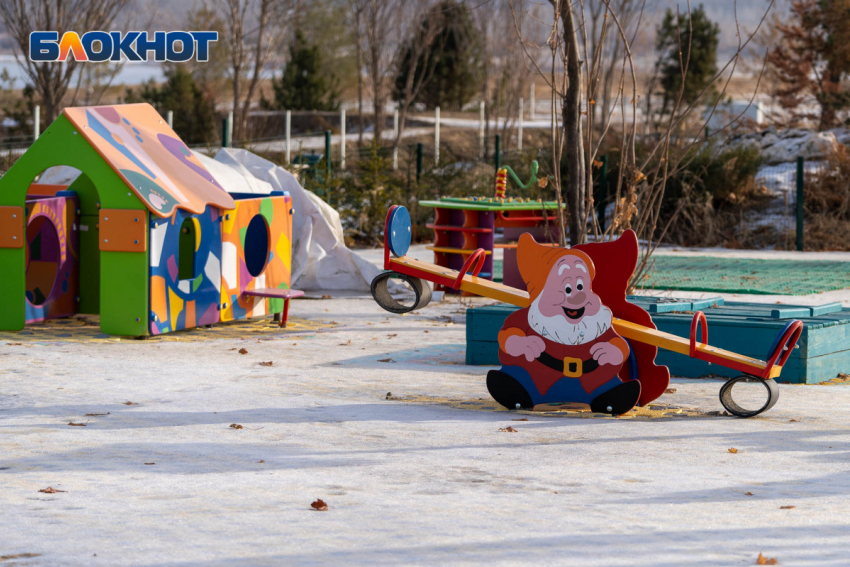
x: 827, y: 205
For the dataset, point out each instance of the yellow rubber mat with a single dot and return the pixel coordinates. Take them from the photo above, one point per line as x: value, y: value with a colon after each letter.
x: 86, y: 328
x: 652, y: 411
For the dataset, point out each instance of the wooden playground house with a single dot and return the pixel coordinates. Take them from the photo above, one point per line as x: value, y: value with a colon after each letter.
x: 144, y: 237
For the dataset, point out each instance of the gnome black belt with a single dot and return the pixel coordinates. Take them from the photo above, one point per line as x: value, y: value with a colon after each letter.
x: 569, y: 366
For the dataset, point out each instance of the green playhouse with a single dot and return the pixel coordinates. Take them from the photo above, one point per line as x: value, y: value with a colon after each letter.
x: 144, y: 237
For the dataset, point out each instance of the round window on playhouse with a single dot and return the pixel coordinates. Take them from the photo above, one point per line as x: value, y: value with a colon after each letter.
x: 257, y: 245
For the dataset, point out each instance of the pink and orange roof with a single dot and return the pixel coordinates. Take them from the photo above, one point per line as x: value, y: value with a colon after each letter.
x: 149, y: 157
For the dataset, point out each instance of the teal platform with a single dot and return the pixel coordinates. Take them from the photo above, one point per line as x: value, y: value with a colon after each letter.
x: 745, y: 328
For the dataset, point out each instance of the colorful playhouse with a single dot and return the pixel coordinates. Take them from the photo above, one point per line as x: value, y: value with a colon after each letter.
x: 145, y: 237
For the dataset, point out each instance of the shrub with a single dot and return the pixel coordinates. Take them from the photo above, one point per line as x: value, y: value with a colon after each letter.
x: 827, y: 204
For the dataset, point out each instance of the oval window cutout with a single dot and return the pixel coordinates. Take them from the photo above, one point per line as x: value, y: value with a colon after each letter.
x: 44, y: 253
x: 257, y: 245
x: 186, y: 254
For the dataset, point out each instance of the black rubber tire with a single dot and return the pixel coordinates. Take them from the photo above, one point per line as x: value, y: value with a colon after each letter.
x: 381, y: 295
x: 738, y: 411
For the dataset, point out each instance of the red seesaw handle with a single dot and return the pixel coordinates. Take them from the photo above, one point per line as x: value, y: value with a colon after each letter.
x: 699, y: 317
x: 784, y: 347
x: 479, y: 255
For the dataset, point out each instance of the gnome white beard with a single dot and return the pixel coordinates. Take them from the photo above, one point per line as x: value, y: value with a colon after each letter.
x: 559, y: 330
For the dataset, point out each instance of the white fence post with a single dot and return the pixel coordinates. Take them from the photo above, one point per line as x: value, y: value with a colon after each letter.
x: 169, y: 118
x: 481, y: 130
x: 230, y: 128
x: 519, y: 124
x: 288, y: 127
x: 395, y: 139
x: 342, y: 139
x: 437, y: 136
x: 532, y: 102
x: 36, y: 122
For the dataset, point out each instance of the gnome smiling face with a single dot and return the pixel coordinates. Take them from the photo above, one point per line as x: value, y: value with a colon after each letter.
x: 564, y: 308
x: 567, y: 311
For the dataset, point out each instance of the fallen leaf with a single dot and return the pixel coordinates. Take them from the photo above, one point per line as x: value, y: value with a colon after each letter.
x: 670, y: 391
x: 14, y: 344
x: 762, y: 560
x: 427, y: 331
x: 51, y: 490
x: 269, y: 363
x: 508, y: 429
x: 733, y: 450
x: 320, y: 505
x: 130, y: 404
x: 748, y: 494
x: 346, y: 344
x: 96, y: 414
x: 391, y: 336
x: 235, y: 426
x: 243, y: 351
x: 386, y: 360
x: 261, y: 461
x: 787, y: 507
x: 150, y: 463
x: 76, y: 424
x: 327, y: 297
x: 521, y: 419
x: 793, y: 420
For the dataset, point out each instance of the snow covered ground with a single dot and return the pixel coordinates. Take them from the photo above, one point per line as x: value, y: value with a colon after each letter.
x: 168, y: 481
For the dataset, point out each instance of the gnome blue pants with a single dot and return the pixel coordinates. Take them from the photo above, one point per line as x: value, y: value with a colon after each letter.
x: 564, y: 390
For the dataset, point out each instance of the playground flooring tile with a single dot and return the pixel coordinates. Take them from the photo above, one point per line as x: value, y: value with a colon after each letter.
x: 747, y: 275
x: 740, y: 275
x: 378, y: 416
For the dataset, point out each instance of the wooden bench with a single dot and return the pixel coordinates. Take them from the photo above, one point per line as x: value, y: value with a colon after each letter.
x: 284, y: 294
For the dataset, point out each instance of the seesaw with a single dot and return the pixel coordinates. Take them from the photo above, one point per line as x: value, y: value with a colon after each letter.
x: 613, y: 264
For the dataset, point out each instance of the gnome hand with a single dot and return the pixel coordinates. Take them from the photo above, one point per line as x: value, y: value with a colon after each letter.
x: 606, y: 353
x: 529, y: 347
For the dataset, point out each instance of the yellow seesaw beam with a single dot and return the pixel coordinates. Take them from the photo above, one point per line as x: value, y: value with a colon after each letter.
x: 626, y: 329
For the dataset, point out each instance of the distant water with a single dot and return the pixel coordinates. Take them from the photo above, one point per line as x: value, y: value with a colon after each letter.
x: 130, y: 74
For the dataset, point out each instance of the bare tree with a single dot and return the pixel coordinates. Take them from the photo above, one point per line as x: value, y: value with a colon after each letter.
x: 641, y: 181
x: 607, y: 47
x: 356, y: 24
x: 382, y: 22
x: 254, y: 32
x: 419, y: 55
x: 21, y: 17
x: 504, y: 74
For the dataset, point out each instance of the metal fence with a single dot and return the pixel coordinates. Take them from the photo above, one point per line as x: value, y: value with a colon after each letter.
x: 785, y: 183
x: 423, y: 149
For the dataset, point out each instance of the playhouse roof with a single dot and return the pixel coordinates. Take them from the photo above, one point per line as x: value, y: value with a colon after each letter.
x: 149, y: 157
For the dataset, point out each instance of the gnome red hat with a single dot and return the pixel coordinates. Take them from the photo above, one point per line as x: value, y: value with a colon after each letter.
x: 535, y: 262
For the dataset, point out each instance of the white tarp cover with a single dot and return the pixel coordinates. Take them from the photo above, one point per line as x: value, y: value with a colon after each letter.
x: 320, y: 259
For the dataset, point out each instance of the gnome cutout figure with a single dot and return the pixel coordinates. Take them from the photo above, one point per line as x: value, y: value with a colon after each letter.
x: 562, y: 350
